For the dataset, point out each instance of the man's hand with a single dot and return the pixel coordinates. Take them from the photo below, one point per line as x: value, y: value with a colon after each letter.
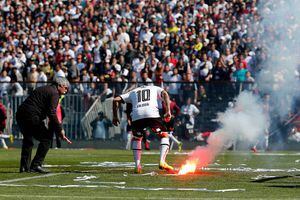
x: 116, y: 121
x: 167, y: 117
x: 63, y: 137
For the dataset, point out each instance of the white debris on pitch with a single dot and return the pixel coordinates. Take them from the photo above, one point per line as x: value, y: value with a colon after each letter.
x: 84, y: 178
x: 145, y: 174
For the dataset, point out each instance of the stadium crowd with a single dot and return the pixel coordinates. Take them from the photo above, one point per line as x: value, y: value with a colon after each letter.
x: 127, y: 41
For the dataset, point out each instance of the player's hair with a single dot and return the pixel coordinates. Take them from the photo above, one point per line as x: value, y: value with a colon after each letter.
x: 61, y: 81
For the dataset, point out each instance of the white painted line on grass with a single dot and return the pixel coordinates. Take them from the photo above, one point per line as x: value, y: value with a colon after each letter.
x: 112, y: 183
x: 55, y: 186
x: 125, y: 188
x: 113, y: 164
x: 31, y: 177
x: 248, y: 169
x: 50, y: 166
x: 179, y: 189
x: 61, y: 197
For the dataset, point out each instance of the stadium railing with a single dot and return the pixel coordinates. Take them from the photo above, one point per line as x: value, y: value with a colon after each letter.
x: 82, y: 107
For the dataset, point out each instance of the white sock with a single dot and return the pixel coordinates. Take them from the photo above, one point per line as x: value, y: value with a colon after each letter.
x: 164, y: 149
x: 129, y: 137
x: 137, y: 151
x: 4, y: 144
x: 173, y: 138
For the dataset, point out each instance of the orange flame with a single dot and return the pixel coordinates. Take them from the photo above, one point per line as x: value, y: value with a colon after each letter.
x: 189, y: 167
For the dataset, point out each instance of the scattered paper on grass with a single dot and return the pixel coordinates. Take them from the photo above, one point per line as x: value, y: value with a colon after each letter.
x: 84, y: 178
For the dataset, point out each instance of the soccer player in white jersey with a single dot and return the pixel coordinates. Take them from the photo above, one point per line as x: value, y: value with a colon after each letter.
x: 145, y: 113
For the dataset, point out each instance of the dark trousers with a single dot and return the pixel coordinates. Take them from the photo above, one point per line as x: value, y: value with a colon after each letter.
x: 38, y: 131
x: 57, y: 139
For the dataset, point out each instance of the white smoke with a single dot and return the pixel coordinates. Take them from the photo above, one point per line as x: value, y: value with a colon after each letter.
x: 279, y: 37
x: 245, y: 121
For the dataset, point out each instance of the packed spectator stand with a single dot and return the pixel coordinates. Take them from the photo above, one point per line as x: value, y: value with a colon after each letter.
x: 108, y: 47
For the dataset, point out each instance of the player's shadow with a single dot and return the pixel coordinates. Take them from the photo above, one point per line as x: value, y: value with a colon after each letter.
x: 285, y: 186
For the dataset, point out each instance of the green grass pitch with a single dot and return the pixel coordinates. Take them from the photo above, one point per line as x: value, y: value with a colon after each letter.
x: 108, y: 174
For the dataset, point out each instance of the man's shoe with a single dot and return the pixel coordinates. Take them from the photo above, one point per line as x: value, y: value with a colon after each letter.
x: 180, y: 146
x: 23, y: 169
x: 39, y: 169
x: 138, y: 170
x: 165, y: 166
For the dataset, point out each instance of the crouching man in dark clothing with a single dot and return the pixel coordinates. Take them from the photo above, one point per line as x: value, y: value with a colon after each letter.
x: 41, y: 103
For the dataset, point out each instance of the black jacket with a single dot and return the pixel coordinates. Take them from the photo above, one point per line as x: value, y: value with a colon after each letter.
x: 41, y: 103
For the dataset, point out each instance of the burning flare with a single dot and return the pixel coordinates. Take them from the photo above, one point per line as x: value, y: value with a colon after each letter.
x: 189, y: 167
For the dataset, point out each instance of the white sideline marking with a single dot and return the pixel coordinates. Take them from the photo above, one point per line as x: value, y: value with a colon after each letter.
x: 113, y: 164
x: 56, y: 186
x: 179, y: 189
x: 49, y: 166
x: 30, y: 178
x: 264, y: 154
x: 113, y: 183
x: 108, y: 164
x: 125, y: 188
x: 236, y: 153
x: 64, y: 197
x: 248, y: 169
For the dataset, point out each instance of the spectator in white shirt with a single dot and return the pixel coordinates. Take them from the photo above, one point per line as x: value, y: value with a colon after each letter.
x: 175, y: 85
x: 42, y: 78
x: 4, y: 82
x: 16, y: 89
x: 146, y: 34
x: 190, y: 109
x: 58, y: 72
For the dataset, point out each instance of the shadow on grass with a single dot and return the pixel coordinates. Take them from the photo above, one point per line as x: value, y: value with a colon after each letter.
x: 285, y: 186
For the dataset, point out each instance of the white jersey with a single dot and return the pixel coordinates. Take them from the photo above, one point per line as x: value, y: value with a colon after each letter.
x: 144, y: 102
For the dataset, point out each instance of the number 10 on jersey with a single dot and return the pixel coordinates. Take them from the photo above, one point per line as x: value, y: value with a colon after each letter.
x: 143, y: 95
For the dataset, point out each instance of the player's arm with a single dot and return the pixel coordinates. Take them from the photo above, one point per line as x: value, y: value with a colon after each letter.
x: 166, y: 99
x: 116, y: 104
x: 128, y: 111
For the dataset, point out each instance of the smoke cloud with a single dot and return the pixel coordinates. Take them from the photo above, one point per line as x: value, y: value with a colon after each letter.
x: 246, y: 120
x: 278, y: 43
x: 279, y: 38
